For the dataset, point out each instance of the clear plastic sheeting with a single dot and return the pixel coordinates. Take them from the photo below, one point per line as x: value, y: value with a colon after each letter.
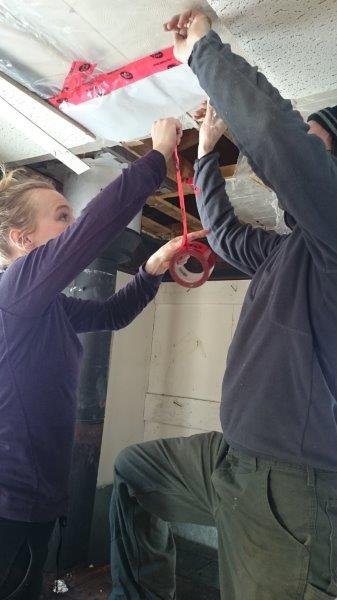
x: 253, y: 202
x: 41, y: 38
x: 82, y: 56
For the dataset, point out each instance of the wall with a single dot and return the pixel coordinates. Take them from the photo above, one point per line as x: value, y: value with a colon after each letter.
x: 166, y: 367
x: 128, y: 383
x: 192, y: 333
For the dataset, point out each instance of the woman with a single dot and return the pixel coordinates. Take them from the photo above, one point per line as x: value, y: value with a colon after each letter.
x: 44, y: 249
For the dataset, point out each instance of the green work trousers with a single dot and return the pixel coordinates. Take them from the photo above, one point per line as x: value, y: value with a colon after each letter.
x: 276, y: 522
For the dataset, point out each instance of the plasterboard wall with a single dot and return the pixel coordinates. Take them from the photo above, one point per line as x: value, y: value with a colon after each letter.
x: 166, y: 367
x: 191, y: 336
x: 127, y: 387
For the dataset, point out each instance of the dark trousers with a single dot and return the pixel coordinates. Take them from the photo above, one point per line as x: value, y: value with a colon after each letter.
x: 23, y: 551
x: 276, y: 522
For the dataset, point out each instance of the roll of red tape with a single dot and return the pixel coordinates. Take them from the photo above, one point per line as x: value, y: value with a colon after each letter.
x: 192, y: 264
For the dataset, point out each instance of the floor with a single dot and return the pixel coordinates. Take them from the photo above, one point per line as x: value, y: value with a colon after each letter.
x: 197, y: 577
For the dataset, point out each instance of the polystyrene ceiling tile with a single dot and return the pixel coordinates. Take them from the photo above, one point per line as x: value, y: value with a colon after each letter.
x: 293, y: 42
x: 313, y: 103
x: 15, y: 146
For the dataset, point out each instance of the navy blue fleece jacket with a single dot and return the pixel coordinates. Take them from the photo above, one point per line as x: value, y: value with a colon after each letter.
x: 279, y: 394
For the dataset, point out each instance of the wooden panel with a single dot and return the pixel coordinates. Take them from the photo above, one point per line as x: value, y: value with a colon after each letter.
x: 154, y: 431
x: 227, y: 171
x: 190, y: 138
x: 190, y: 344
x: 183, y: 412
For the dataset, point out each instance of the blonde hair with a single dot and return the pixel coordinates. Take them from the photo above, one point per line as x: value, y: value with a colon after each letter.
x: 16, y: 210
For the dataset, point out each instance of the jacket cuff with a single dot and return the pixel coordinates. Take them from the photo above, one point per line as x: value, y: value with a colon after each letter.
x: 153, y: 280
x: 212, y: 39
x: 201, y: 162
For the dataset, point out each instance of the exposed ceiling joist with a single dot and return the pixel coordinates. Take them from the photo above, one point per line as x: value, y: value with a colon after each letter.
x: 160, y: 203
x: 156, y: 229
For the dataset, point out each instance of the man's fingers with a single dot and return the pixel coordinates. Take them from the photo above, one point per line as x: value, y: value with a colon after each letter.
x: 172, y: 24
x: 178, y: 21
x: 195, y: 235
x: 199, y: 115
x: 185, y: 18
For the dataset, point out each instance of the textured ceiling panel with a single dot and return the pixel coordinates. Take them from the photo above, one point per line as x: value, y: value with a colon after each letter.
x: 293, y: 42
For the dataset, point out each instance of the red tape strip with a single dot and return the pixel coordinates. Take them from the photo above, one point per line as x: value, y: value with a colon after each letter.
x: 79, y: 88
x: 194, y: 262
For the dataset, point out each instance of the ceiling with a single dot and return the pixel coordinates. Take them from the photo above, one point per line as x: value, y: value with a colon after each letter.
x: 292, y: 41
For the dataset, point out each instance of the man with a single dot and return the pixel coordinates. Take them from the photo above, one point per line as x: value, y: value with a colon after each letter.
x: 269, y: 483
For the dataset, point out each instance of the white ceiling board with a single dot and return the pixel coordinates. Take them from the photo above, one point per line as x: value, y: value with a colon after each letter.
x: 310, y: 104
x: 15, y: 146
x: 15, y: 143
x: 38, y: 135
x: 69, y: 134
x: 293, y: 42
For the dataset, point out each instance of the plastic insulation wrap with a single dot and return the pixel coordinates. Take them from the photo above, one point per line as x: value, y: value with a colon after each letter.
x: 115, y: 81
x: 254, y: 202
x: 52, y: 36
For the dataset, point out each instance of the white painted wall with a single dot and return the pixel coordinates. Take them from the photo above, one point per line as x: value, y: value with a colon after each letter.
x: 192, y: 333
x: 166, y: 368
x: 128, y: 383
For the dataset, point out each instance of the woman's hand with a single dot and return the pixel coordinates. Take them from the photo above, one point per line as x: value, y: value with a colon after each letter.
x: 189, y: 27
x: 166, y: 135
x: 159, y: 262
x: 211, y: 130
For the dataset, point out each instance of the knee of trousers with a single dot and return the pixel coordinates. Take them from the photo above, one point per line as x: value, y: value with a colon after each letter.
x: 127, y: 464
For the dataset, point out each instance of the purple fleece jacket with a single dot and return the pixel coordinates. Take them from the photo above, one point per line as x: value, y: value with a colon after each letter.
x: 40, y: 352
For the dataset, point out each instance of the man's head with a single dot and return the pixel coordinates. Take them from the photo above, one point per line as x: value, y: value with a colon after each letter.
x: 324, y: 125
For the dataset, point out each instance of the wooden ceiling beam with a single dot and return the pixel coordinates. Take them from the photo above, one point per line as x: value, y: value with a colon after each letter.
x: 139, y: 150
x: 163, y: 205
x: 156, y: 229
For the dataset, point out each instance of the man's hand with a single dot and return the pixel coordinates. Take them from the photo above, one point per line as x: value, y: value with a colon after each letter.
x: 159, y: 262
x: 166, y: 135
x: 211, y: 130
x: 189, y: 27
